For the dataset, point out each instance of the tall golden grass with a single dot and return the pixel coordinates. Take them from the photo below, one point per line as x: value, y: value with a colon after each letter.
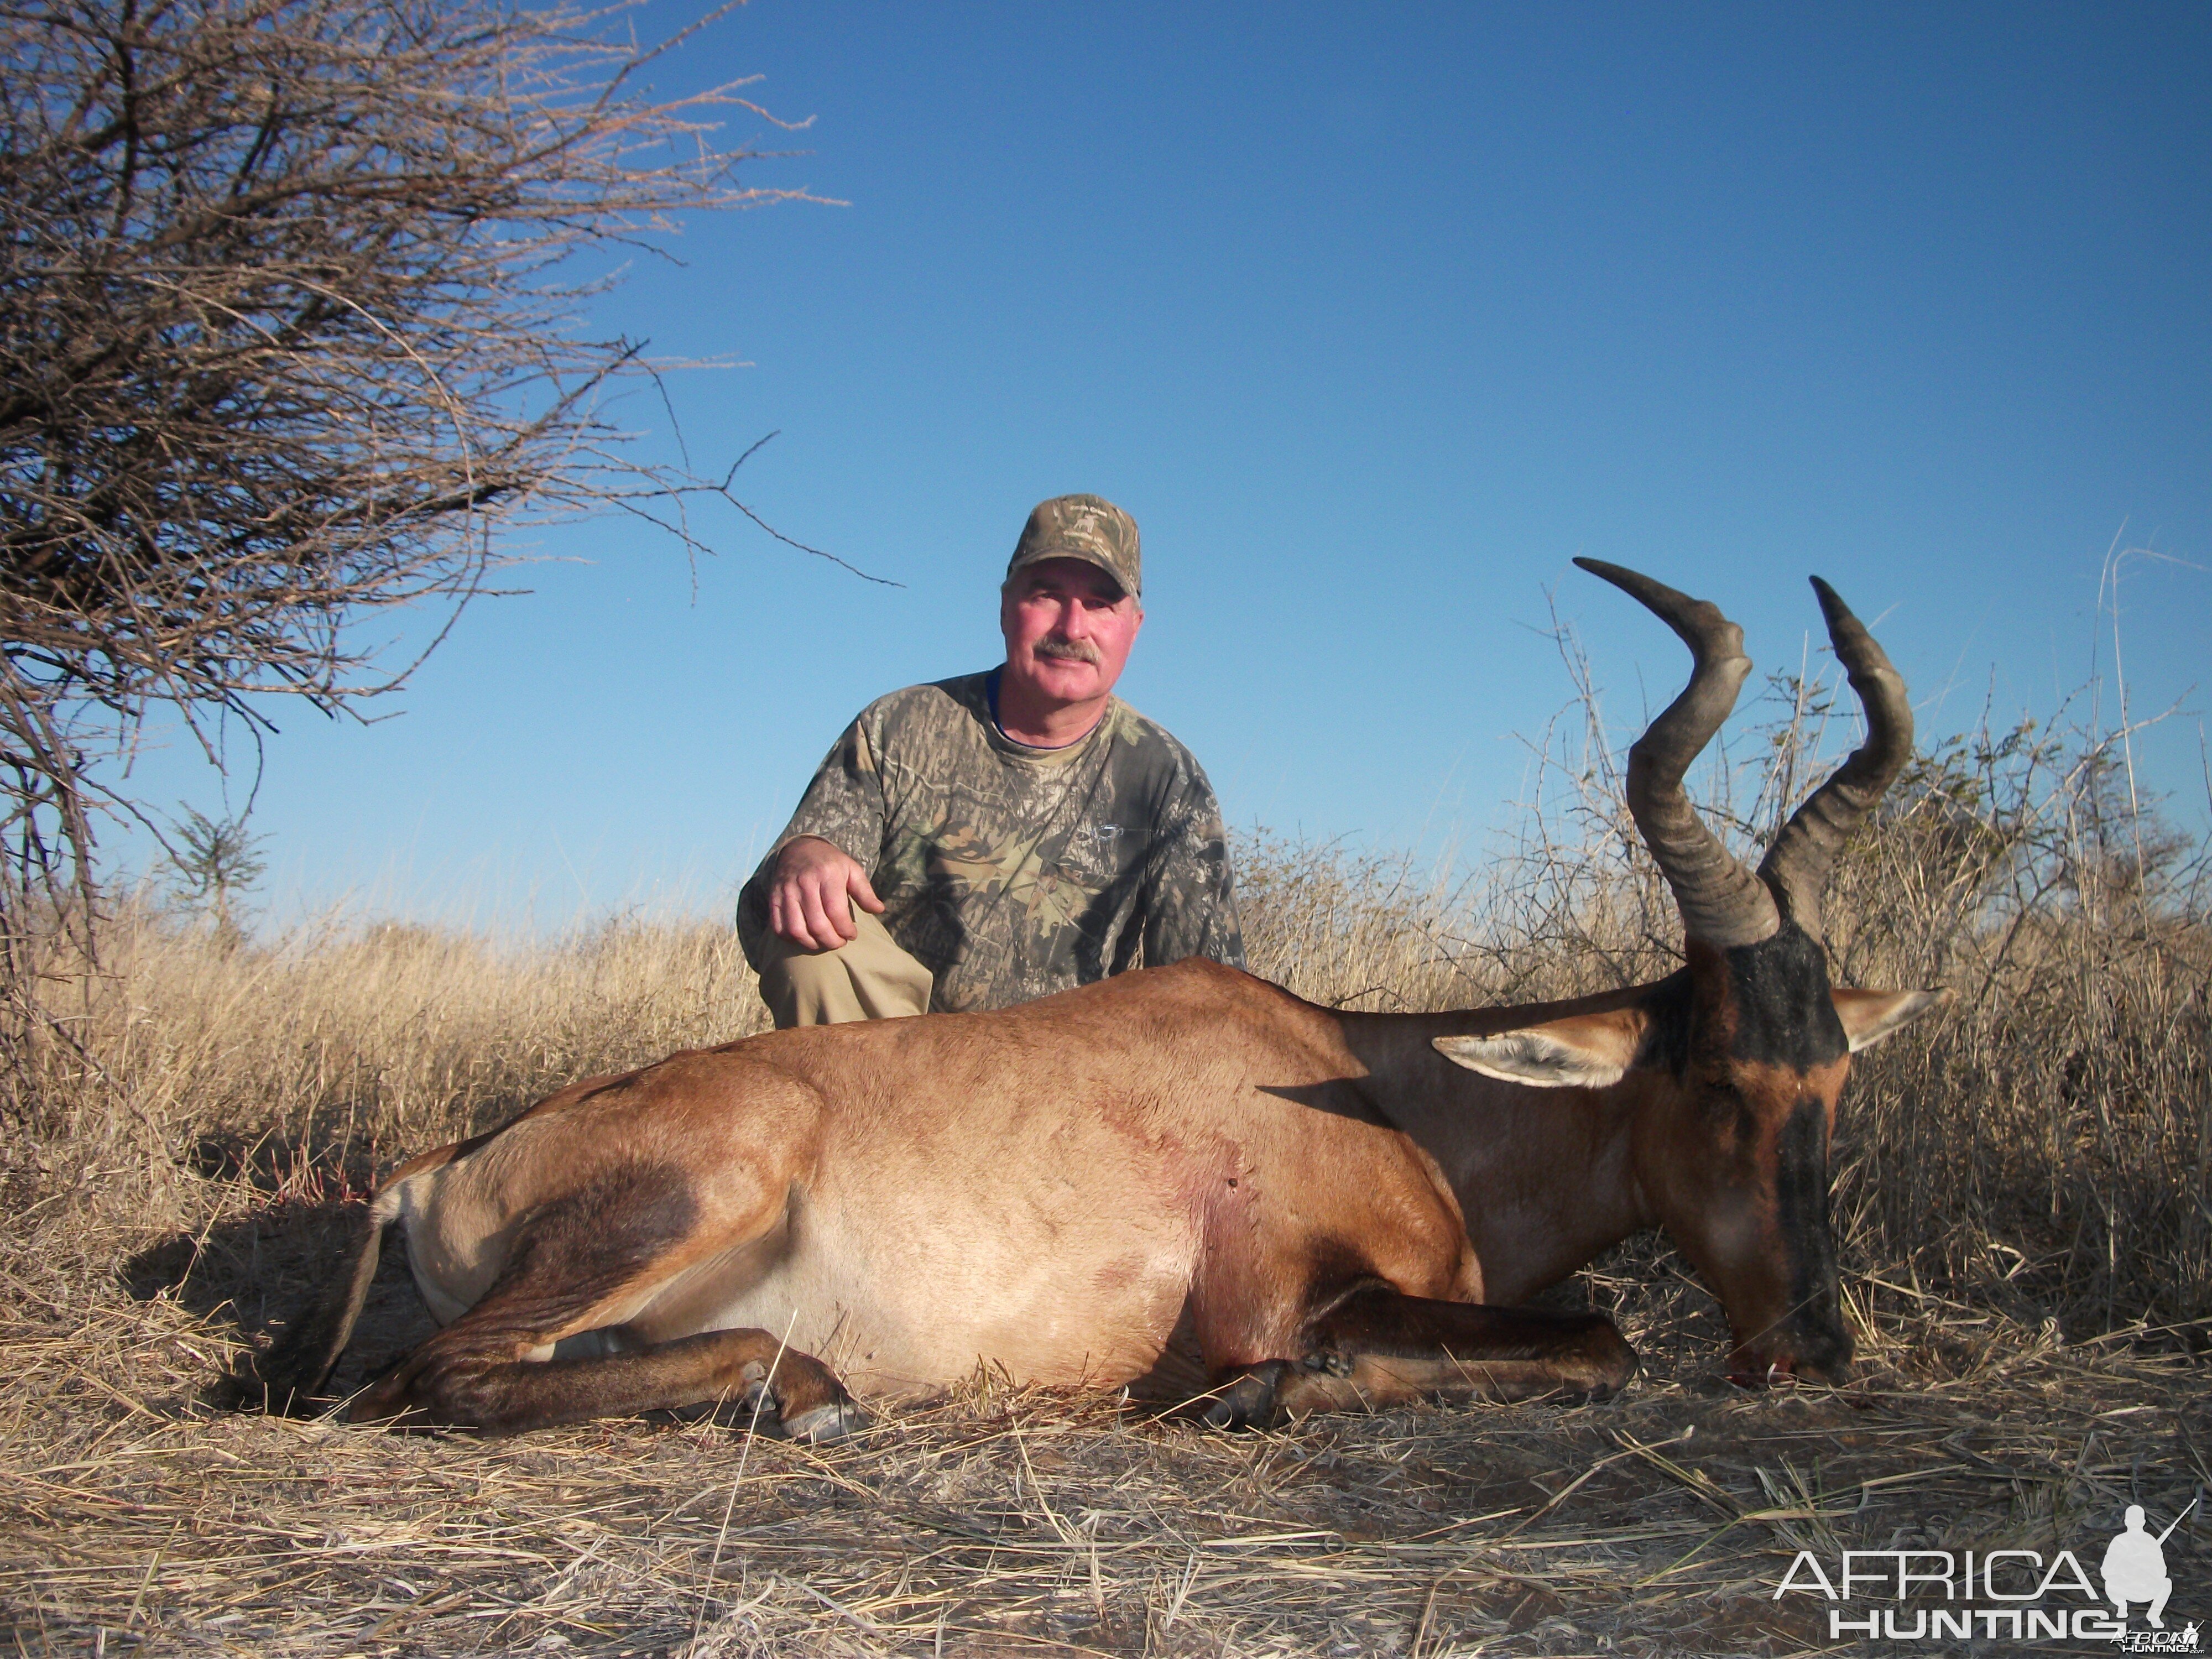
x: 297, y: 1066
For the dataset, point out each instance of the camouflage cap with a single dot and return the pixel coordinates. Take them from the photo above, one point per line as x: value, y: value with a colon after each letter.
x: 1086, y: 527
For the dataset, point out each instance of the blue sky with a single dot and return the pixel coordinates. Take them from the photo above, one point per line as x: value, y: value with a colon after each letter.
x: 1374, y: 316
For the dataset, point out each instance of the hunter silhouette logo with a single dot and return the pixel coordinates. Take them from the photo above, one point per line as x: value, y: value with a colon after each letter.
x: 2135, y: 1566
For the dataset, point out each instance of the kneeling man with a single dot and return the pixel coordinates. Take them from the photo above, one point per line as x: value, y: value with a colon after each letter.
x: 986, y: 840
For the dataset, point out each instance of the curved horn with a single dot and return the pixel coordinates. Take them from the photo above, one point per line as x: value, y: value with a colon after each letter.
x: 1722, y: 902
x: 1796, y: 866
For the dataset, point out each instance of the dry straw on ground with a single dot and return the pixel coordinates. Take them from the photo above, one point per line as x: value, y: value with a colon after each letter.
x: 2022, y: 1190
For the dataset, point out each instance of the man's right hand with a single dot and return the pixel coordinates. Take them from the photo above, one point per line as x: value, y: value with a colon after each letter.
x: 810, y: 904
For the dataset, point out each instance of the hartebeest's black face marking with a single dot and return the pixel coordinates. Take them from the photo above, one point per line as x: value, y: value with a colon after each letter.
x: 1769, y: 1004
x: 1814, y: 1324
x: 1751, y: 1036
x: 1784, y: 1013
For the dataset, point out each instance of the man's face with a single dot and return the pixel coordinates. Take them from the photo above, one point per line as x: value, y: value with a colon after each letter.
x: 1068, y: 627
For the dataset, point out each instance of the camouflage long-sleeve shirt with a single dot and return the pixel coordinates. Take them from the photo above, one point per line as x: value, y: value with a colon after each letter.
x: 1011, y: 872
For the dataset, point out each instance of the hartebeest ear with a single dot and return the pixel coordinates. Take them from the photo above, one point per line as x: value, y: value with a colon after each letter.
x: 1583, y: 1051
x: 1870, y: 1016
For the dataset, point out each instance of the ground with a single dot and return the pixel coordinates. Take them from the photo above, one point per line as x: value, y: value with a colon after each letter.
x: 136, y: 1517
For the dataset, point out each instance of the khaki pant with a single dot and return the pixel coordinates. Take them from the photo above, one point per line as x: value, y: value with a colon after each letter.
x: 870, y: 977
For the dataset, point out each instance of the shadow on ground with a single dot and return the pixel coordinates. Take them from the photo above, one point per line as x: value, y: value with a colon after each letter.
x: 262, y: 1268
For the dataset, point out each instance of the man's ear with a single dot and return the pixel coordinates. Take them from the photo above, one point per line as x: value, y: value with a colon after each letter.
x: 1870, y: 1016
x: 1583, y: 1051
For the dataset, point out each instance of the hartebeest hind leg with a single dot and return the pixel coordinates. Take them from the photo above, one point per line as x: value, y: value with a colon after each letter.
x: 472, y: 1377
x: 548, y: 1342
x: 1377, y: 1347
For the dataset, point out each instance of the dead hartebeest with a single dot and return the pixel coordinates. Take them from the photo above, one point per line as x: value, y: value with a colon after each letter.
x: 1184, y: 1179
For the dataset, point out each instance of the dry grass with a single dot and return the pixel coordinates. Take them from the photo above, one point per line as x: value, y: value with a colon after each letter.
x: 2028, y: 1260
x: 1015, y: 1521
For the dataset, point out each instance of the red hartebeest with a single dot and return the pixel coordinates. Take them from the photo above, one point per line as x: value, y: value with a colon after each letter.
x: 1182, y: 1179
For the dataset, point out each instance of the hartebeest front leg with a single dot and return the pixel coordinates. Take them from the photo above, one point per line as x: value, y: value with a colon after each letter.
x: 1378, y: 1348
x: 460, y: 1377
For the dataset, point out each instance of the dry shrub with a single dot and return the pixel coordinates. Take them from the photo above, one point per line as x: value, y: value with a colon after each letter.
x: 2044, y: 1145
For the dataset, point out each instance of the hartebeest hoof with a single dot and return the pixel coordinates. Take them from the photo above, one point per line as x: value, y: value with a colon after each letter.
x: 1246, y: 1400
x: 1606, y: 1364
x: 805, y: 1401
x: 827, y: 1423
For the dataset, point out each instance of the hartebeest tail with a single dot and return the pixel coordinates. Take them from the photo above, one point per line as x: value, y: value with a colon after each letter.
x: 289, y: 1378
x: 1181, y: 1181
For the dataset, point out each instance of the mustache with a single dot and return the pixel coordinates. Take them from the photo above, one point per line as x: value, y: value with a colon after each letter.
x: 1068, y: 650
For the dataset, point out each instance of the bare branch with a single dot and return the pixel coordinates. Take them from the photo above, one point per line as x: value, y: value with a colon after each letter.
x: 289, y: 326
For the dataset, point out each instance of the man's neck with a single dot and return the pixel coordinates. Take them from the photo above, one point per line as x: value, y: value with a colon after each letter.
x: 1042, y: 723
